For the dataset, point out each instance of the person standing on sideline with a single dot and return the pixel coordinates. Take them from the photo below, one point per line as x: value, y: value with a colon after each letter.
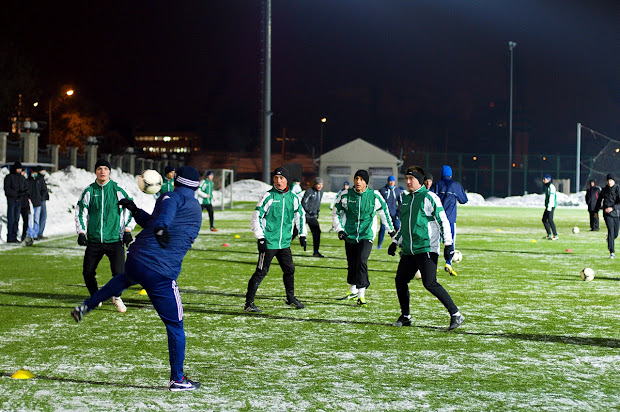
x: 44, y: 199
x: 425, y: 223
x: 592, y: 201
x: 393, y: 198
x: 168, y: 185
x: 35, y: 188
x: 272, y: 224
x: 205, y: 191
x: 26, y: 209
x: 311, y: 203
x: 103, y: 227
x: 15, y: 189
x: 154, y: 261
x: 551, y: 202
x: 345, y: 186
x: 450, y: 192
x: 428, y: 182
x: 609, y: 201
x: 353, y: 219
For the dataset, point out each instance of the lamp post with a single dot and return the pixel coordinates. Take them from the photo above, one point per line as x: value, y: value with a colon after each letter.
x: 323, y: 120
x: 511, y: 46
x: 69, y: 93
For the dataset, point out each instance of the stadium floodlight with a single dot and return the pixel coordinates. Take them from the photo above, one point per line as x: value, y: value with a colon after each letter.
x: 511, y: 46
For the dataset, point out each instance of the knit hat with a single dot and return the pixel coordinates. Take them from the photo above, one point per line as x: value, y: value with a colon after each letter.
x: 102, y: 162
x: 611, y: 177
x: 429, y: 176
x: 168, y: 169
x: 547, y: 177
x: 187, y: 176
x: 318, y: 180
x: 209, y: 173
x: 446, y: 171
x: 346, y: 182
x: 363, y: 174
x: 391, y: 178
x: 17, y: 165
x: 281, y: 171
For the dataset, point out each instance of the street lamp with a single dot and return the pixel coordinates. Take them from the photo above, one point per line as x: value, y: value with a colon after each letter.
x: 69, y: 92
x: 511, y: 46
x: 323, y: 120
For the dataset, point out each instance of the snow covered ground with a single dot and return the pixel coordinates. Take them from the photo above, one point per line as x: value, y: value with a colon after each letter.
x: 67, y: 185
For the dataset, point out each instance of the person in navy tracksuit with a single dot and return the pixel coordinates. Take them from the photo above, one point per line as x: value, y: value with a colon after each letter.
x: 154, y: 261
x: 450, y: 192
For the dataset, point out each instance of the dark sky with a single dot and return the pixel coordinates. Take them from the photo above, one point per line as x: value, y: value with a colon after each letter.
x: 422, y: 70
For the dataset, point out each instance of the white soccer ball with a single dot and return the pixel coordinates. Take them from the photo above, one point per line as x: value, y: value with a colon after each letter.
x: 457, y: 257
x: 587, y: 274
x: 575, y: 230
x: 417, y: 275
x: 150, y: 182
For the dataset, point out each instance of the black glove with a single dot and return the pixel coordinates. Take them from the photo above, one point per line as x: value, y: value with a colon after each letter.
x: 129, y: 205
x: 392, y: 249
x: 448, y: 252
x: 262, y: 245
x: 342, y: 235
x: 392, y: 233
x: 302, y: 242
x: 162, y: 236
x: 82, y: 239
x: 127, y: 238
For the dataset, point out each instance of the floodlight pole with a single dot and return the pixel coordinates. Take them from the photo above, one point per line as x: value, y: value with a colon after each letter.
x: 511, y: 46
x: 578, y: 168
x: 267, y: 96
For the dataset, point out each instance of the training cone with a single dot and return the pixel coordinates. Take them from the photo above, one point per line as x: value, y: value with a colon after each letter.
x: 237, y: 237
x: 225, y: 245
x: 499, y: 230
x: 22, y: 374
x: 533, y: 241
x: 142, y: 292
x: 569, y: 250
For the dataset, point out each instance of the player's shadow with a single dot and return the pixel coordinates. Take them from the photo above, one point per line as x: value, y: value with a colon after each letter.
x: 91, y: 382
x: 570, y: 340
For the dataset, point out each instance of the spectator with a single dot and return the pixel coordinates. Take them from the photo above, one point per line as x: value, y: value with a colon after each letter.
x: 44, y: 199
x: 35, y: 188
x: 15, y: 189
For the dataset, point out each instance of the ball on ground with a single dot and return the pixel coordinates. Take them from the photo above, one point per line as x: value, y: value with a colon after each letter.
x: 587, y: 274
x: 575, y: 230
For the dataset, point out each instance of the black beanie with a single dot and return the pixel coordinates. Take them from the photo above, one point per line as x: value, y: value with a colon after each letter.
x: 281, y: 171
x: 168, y: 169
x: 187, y: 176
x: 103, y: 162
x: 610, y: 177
x: 363, y: 174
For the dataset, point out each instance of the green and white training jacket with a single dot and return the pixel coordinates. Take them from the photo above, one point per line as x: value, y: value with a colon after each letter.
x: 273, y: 218
x: 98, y: 214
x: 355, y: 213
x: 551, y: 197
x: 423, y: 222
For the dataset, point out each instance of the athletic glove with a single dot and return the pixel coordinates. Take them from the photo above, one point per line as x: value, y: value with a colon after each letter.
x: 129, y: 205
x: 392, y: 233
x: 392, y: 249
x: 342, y: 235
x: 82, y: 239
x: 127, y: 238
x: 262, y: 245
x: 448, y: 252
x: 302, y: 242
x: 162, y: 236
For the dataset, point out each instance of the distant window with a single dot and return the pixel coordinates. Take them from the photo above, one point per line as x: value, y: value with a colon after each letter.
x: 380, y: 171
x: 338, y: 170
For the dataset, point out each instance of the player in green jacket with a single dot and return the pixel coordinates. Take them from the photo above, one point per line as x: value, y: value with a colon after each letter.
x: 551, y: 202
x: 272, y: 224
x: 205, y: 193
x: 168, y: 185
x: 423, y: 224
x: 354, y: 219
x: 103, y: 227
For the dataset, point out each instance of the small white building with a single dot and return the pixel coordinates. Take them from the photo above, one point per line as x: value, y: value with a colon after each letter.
x: 339, y: 165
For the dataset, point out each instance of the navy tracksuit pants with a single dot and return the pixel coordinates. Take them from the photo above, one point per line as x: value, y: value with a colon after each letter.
x: 164, y: 295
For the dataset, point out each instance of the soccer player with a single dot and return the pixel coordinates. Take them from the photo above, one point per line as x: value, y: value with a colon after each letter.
x: 551, y: 202
x: 393, y: 197
x: 609, y: 201
x: 345, y: 186
x: 272, y: 224
x: 353, y: 219
x: 103, y: 227
x: 168, y: 184
x: 450, y: 192
x: 205, y: 191
x: 311, y: 203
x: 428, y: 181
x: 592, y: 201
x: 424, y: 222
x: 154, y: 261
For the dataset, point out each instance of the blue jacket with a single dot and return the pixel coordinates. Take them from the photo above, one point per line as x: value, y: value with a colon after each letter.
x: 393, y: 197
x: 449, y: 193
x: 180, y: 213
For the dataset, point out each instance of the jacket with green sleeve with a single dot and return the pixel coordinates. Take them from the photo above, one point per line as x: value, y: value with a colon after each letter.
x: 355, y: 213
x: 205, y: 188
x: 99, y: 216
x: 273, y: 218
x: 423, y: 222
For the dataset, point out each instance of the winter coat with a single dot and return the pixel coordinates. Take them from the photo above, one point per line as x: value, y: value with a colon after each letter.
x: 450, y: 192
x: 15, y: 186
x: 592, y: 195
x: 167, y: 186
x: 312, y: 202
x: 273, y: 218
x: 45, y: 193
x: 98, y: 214
x: 551, y: 197
x: 355, y: 213
x: 393, y: 198
x: 423, y: 223
x: 180, y: 213
x: 36, y: 191
x: 610, y: 197
x: 205, y: 188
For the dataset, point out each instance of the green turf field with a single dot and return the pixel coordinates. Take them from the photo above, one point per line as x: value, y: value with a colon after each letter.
x: 536, y: 337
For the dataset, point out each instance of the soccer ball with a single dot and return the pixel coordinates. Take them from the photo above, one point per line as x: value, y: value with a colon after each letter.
x: 417, y: 275
x: 587, y: 274
x: 150, y: 182
x: 458, y: 256
x: 575, y: 230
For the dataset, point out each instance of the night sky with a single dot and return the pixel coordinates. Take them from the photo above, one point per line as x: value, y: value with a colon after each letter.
x: 433, y: 73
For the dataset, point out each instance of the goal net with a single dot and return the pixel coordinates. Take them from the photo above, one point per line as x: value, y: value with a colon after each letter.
x: 599, y: 155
